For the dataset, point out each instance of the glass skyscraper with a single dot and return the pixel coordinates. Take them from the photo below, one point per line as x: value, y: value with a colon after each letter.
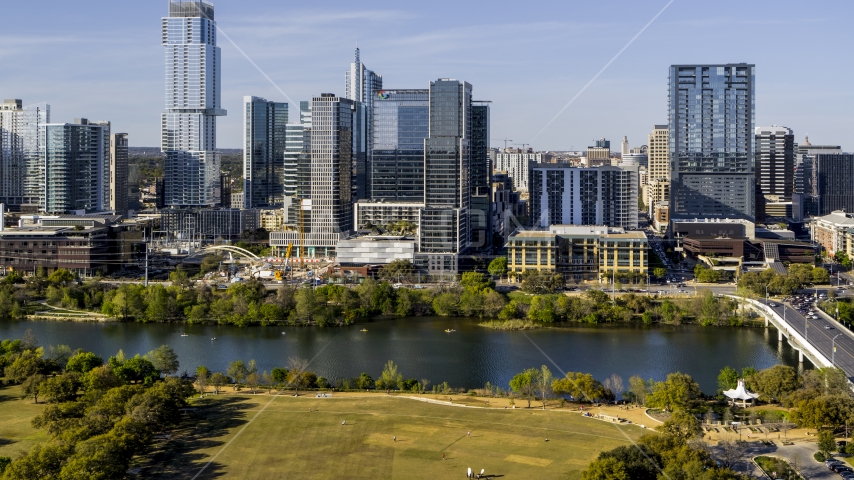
x: 447, y: 170
x: 76, y: 159
x: 264, y: 125
x: 401, y: 123
x: 361, y: 85
x: 21, y: 169
x: 711, y: 128
x: 188, y: 139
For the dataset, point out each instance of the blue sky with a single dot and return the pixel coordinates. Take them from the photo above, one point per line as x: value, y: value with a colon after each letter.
x: 103, y: 59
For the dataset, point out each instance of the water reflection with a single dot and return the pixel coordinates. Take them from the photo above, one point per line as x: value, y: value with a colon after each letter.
x: 469, y: 357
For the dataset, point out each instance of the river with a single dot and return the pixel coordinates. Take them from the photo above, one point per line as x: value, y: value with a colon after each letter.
x: 469, y: 357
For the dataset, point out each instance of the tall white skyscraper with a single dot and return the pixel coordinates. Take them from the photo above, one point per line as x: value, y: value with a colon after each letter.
x: 188, y: 140
x: 362, y: 85
x: 624, y: 148
x: 21, y: 169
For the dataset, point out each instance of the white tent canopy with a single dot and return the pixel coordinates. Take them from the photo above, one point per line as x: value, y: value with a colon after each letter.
x: 741, y: 393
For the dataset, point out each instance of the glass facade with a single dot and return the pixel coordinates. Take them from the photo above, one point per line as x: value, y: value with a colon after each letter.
x: 400, y: 125
x: 711, y: 123
x: 188, y: 138
x: 76, y: 159
x: 264, y: 152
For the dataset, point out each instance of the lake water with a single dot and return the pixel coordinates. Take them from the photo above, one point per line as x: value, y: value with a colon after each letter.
x: 469, y: 357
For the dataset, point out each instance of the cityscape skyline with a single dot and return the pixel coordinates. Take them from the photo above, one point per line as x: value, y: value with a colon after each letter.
x: 623, y: 101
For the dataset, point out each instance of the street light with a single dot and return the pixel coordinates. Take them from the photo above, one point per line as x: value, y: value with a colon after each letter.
x: 833, y: 352
x: 766, y: 294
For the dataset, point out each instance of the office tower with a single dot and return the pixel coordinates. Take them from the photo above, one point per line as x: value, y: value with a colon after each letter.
x: 297, y: 178
x: 658, y: 165
x: 401, y: 124
x: 134, y: 177
x: 624, y: 148
x: 711, y: 112
x: 830, y: 185
x: 775, y: 162
x: 188, y: 139
x: 263, y: 152
x: 567, y: 195
x: 118, y: 173
x: 21, y: 170
x: 600, y: 154
x: 225, y: 191
x: 602, y: 143
x: 76, y: 158
x: 480, y: 214
x: 363, y: 85
x: 332, y: 147
x: 805, y: 199
x: 444, y: 225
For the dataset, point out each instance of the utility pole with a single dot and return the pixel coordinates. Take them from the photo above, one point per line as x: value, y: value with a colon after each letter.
x: 146, y: 257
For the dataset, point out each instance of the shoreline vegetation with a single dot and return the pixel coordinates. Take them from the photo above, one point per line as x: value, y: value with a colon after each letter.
x: 60, y: 296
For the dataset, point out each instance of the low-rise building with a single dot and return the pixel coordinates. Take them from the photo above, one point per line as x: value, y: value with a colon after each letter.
x: 830, y: 231
x: 579, y: 253
x: 84, y: 244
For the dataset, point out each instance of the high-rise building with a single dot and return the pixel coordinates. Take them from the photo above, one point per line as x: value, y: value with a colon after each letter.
x: 21, y: 170
x: 517, y: 164
x: 805, y: 198
x: 480, y: 213
x: 263, y: 152
x: 830, y: 186
x: 624, y: 148
x: 118, y: 172
x: 297, y: 176
x: 567, y: 195
x: 76, y: 158
x: 658, y: 164
x: 401, y: 124
x: 711, y: 115
x: 188, y: 140
x: 444, y: 229
x: 775, y: 162
x: 363, y: 85
x: 134, y: 177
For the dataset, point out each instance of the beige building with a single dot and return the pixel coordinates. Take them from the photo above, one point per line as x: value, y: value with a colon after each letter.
x: 119, y: 173
x: 658, y: 168
x: 579, y: 253
x: 831, y: 231
x: 272, y: 220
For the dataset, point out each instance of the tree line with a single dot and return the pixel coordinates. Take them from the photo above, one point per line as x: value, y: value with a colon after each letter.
x: 99, y: 414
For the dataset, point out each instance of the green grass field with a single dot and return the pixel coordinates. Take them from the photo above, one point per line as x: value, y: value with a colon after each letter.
x: 16, y: 433
x: 287, y: 441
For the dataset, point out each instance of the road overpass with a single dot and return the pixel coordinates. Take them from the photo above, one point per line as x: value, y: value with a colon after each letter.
x: 816, y: 339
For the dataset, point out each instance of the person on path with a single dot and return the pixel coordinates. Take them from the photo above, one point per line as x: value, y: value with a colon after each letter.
x: 443, y: 456
x: 468, y: 475
x: 469, y: 434
x: 395, y: 438
x: 344, y: 422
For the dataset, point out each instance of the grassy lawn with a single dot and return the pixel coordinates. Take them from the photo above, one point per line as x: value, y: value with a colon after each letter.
x: 16, y: 434
x: 288, y: 441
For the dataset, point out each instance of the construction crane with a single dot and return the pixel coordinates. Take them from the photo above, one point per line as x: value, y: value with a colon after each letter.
x: 523, y: 145
x: 505, y: 143
x: 280, y: 274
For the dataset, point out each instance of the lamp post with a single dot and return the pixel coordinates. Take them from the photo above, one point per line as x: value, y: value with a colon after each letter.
x: 766, y: 294
x: 833, y: 352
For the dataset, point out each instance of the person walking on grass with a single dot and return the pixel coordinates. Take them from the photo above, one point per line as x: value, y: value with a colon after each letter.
x: 395, y: 438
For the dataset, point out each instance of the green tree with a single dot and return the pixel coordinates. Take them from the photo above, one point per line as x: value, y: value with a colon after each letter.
x: 61, y: 276
x: 682, y: 425
x: 475, y: 282
x: 534, y: 281
x: 164, y: 359
x: 541, y: 309
x: 44, y: 460
x: 498, y: 267
x: 524, y: 384
x: 60, y: 388
x: 446, y: 304
x: 365, y: 382
x: 137, y: 369
x: 826, y: 442
x: 607, y: 468
x: 83, y: 362
x: 820, y: 276
x: 279, y: 375
x: 581, y: 386
x: 218, y: 380
x: 639, y: 389
x: 179, y: 277
x: 28, y: 363
x: 677, y: 392
x: 659, y: 272
x: 238, y: 371
x: 727, y: 379
x: 390, y: 376
x: 775, y: 383
x: 30, y: 386
x: 398, y: 271
x: 99, y: 380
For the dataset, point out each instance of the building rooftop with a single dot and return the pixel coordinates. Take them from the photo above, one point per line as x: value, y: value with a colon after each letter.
x: 839, y: 218
x: 632, y: 235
